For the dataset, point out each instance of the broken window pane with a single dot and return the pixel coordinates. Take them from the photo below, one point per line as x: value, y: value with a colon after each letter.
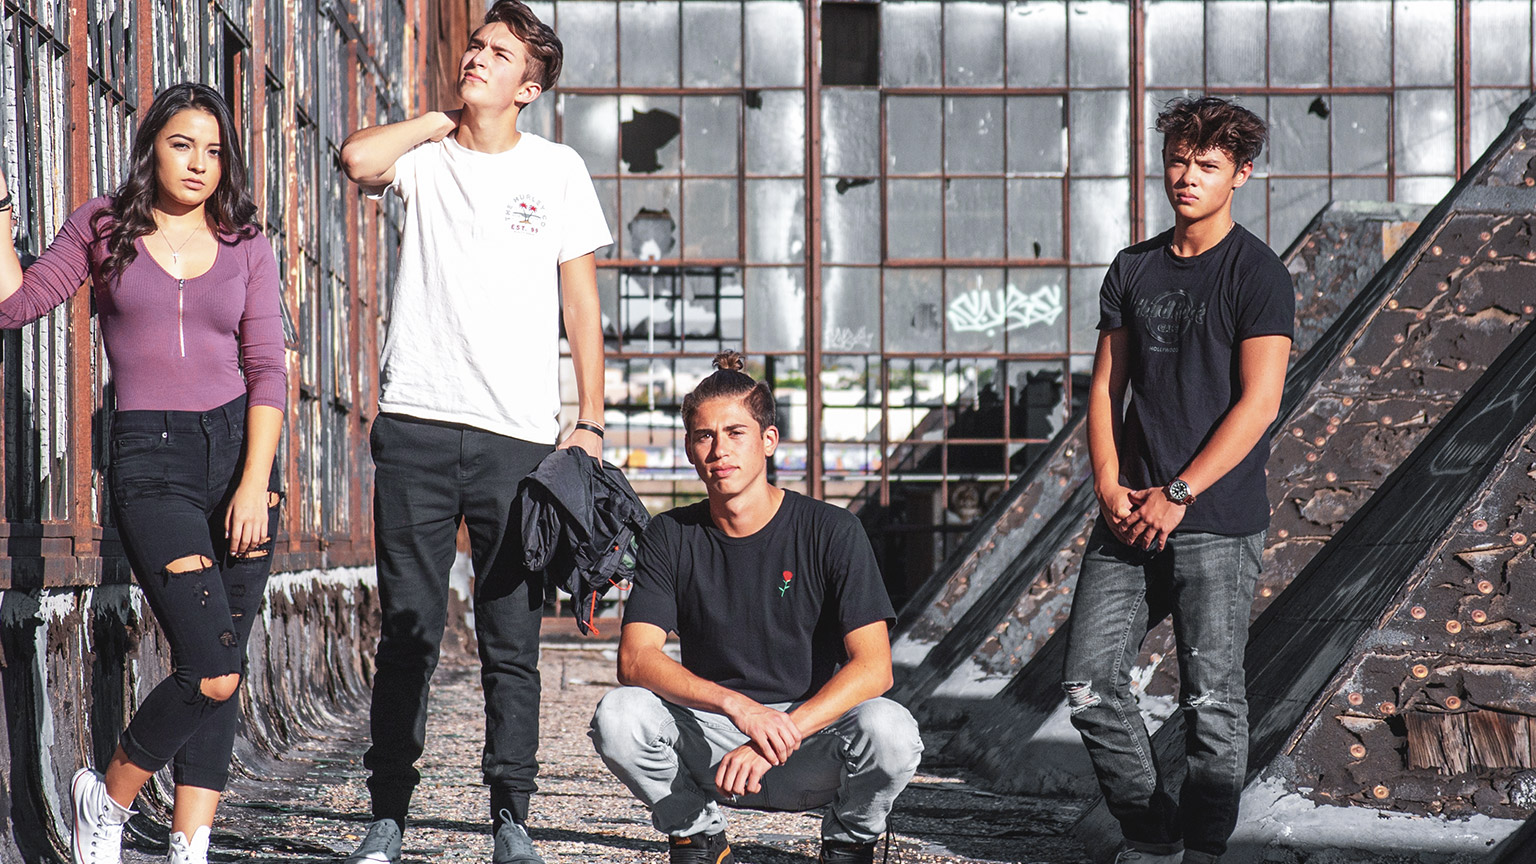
x: 912, y: 213
x: 776, y: 133
x: 775, y: 309
x: 650, y: 218
x: 1298, y: 134
x: 1501, y: 42
x: 709, y: 219
x: 775, y: 221
x: 973, y: 135
x: 1234, y: 42
x: 973, y: 43
x: 913, y: 134
x: 1100, y: 126
x: 1425, y: 132
x: 1034, y: 219
x: 1298, y: 43
x: 850, y: 44
x: 909, y: 55
x: 1360, y: 134
x: 712, y: 308
x: 850, y: 132
x: 1037, y: 135
x: 975, y: 309
x: 588, y: 32
x: 850, y: 316
x: 1175, y: 43
x: 649, y: 128
x: 1036, y: 310
x: 914, y: 310
x: 851, y: 221
x: 648, y: 34
x: 1037, y: 44
x: 1101, y: 219
x: 710, y: 134
x: 1365, y: 28
x: 591, y: 127
x: 1099, y: 33
x: 973, y: 225
x: 776, y: 46
x: 1424, y: 50
x: 711, y: 44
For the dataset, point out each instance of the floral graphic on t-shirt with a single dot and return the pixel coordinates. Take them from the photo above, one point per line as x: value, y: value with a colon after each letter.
x: 525, y: 215
x: 784, y: 586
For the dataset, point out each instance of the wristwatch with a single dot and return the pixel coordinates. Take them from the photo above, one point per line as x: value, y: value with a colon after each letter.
x: 1178, y: 492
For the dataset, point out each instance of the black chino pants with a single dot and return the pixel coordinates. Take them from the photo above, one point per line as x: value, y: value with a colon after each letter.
x: 428, y: 477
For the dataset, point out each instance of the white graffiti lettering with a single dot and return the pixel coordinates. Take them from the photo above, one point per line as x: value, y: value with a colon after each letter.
x: 849, y: 339
x: 1010, y: 309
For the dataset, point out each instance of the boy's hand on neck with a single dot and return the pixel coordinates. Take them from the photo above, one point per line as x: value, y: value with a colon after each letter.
x: 447, y: 122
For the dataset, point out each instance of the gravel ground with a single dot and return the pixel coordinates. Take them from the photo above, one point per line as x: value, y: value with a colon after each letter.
x: 317, y: 809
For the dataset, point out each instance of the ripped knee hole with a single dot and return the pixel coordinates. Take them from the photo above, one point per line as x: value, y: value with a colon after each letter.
x: 189, y: 564
x: 1080, y: 696
x: 222, y: 688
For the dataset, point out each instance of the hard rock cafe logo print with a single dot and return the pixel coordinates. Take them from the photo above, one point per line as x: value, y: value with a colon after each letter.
x: 1167, y: 317
x: 525, y: 215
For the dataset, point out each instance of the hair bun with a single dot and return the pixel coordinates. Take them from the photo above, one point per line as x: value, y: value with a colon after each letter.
x: 730, y: 361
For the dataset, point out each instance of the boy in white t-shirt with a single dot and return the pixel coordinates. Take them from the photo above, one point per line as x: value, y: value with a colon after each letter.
x: 500, y: 230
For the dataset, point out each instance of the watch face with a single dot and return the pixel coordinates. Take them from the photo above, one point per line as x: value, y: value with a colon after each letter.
x: 1178, y: 490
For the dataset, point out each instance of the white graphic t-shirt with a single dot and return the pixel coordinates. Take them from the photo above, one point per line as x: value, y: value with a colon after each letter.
x: 474, y: 319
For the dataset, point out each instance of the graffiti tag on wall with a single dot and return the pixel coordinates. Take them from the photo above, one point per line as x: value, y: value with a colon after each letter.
x: 1006, y: 309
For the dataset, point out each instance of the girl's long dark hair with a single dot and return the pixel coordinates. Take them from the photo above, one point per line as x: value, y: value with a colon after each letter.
x: 230, y: 210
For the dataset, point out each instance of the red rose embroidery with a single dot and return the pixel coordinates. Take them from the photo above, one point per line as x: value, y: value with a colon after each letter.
x: 788, y: 577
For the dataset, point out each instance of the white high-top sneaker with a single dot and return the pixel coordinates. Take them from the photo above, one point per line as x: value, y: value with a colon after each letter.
x: 193, y: 851
x: 98, y: 821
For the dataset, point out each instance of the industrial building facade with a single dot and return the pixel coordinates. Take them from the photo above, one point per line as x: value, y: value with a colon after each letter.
x: 900, y: 210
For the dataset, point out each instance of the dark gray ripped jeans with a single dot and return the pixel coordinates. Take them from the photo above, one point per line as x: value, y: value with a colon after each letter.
x: 1208, y: 581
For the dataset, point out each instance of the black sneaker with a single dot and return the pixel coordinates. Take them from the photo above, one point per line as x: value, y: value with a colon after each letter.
x: 837, y: 852
x: 700, y: 848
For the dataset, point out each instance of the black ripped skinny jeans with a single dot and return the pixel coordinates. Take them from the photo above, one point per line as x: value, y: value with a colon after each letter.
x: 172, y: 474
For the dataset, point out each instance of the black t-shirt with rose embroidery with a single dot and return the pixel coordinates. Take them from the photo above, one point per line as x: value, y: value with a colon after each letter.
x: 763, y: 615
x: 1186, y: 318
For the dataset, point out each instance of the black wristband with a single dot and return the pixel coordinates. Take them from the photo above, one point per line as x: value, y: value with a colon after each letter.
x: 5, y: 203
x: 590, y: 427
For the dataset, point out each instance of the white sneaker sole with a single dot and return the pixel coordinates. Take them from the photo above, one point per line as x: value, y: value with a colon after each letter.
x: 74, y: 794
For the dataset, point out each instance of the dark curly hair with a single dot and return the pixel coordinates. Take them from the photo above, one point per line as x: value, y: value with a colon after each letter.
x: 230, y: 210
x: 730, y: 381
x: 1200, y: 124
x: 545, y: 52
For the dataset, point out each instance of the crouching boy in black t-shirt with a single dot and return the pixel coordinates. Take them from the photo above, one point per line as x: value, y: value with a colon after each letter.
x: 781, y: 617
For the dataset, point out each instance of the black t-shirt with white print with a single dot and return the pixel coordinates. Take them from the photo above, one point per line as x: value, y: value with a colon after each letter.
x: 763, y: 615
x: 1186, y: 318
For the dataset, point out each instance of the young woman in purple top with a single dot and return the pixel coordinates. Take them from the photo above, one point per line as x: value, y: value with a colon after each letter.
x: 187, y: 292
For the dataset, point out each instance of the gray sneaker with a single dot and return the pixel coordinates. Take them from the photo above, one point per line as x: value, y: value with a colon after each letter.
x: 513, y: 845
x: 381, y: 845
x: 1134, y: 856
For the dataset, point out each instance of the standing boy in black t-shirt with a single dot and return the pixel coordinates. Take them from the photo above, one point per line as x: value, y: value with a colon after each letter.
x: 781, y: 616
x: 1198, y: 322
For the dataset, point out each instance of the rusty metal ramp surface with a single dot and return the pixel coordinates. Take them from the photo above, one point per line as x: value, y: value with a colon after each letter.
x: 977, y: 621
x: 1370, y: 390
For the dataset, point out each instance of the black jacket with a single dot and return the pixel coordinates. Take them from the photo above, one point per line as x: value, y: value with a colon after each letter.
x: 581, y: 525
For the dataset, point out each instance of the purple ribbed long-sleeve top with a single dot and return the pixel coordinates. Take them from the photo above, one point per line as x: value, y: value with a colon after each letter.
x: 222, y: 337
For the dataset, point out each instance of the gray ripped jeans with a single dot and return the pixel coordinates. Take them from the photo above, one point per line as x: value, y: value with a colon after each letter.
x: 1208, y: 581
x: 666, y: 754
